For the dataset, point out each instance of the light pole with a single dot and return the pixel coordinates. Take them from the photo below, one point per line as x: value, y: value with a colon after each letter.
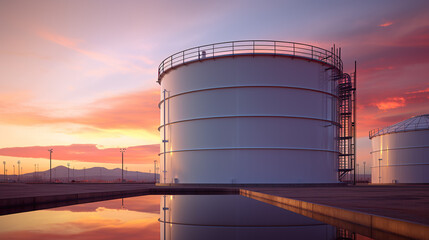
x: 126, y: 173
x: 50, y: 165
x: 122, y: 150
x: 4, y: 170
x: 357, y: 165
x: 154, y: 170
x: 19, y: 170
x: 68, y: 172
x: 364, y: 176
x: 379, y: 170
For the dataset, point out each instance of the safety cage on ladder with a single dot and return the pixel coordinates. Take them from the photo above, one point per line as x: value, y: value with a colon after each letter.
x: 347, y: 129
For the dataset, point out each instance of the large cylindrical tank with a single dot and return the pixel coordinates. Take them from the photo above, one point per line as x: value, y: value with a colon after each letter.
x: 249, y: 112
x: 400, y: 153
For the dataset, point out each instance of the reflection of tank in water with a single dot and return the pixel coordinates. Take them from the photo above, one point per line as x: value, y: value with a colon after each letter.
x: 234, y: 217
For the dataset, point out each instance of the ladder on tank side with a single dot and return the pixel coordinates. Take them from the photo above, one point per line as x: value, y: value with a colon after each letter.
x: 347, y: 129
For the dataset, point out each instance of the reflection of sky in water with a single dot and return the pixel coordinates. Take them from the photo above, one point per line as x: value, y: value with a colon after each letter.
x: 137, y: 219
x: 188, y: 217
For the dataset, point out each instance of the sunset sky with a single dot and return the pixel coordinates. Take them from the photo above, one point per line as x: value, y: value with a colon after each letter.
x: 80, y: 76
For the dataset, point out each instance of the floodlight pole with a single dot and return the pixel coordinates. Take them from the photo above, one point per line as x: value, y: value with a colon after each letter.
x: 19, y: 170
x: 122, y: 150
x: 4, y: 170
x: 357, y: 167
x: 379, y: 170
x: 50, y: 165
x: 364, y: 175
x: 154, y: 171
x: 68, y: 172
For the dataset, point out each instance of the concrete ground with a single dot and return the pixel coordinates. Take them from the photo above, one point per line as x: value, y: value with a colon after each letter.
x: 406, y: 202
x: 21, y: 190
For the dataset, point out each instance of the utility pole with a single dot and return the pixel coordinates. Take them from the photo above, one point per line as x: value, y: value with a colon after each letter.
x: 122, y: 150
x: 68, y: 172
x: 4, y: 170
x: 50, y: 165
x: 14, y: 170
x: 364, y: 177
x: 379, y: 170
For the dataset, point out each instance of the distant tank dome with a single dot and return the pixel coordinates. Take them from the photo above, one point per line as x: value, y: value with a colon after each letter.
x: 415, y: 123
x: 400, y: 153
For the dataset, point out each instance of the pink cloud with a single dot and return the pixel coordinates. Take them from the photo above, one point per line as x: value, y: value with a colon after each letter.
x: 86, y: 153
x: 386, y: 24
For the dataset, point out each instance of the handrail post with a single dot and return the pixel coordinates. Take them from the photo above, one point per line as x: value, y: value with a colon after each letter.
x: 293, y: 49
x: 275, y: 47
x: 198, y: 53
x: 312, y: 52
x: 253, y: 47
x: 183, y: 57
x: 171, y: 61
x: 213, y: 51
x: 232, y: 48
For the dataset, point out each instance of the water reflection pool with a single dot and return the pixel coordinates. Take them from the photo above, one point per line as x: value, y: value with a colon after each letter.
x: 168, y: 217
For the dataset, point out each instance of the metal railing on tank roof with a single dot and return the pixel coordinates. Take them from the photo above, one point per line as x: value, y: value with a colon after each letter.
x: 249, y: 47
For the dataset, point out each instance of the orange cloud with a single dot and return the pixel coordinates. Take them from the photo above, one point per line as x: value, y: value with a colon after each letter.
x: 135, y: 110
x: 391, y: 103
x: 144, y: 154
x: 386, y: 24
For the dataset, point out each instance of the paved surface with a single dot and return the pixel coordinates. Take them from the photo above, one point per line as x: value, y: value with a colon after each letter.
x: 407, y: 202
x: 18, y: 190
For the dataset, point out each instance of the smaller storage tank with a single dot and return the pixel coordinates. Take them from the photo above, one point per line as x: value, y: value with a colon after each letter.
x: 400, y: 153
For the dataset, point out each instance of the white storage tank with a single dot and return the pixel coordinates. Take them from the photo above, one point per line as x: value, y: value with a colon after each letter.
x: 253, y: 112
x: 400, y: 153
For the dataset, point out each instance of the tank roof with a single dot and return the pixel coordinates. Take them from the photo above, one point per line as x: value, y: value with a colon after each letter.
x: 251, y: 48
x: 415, y: 123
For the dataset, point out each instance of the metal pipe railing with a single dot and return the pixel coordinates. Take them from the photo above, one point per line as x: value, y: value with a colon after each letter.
x: 249, y: 47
